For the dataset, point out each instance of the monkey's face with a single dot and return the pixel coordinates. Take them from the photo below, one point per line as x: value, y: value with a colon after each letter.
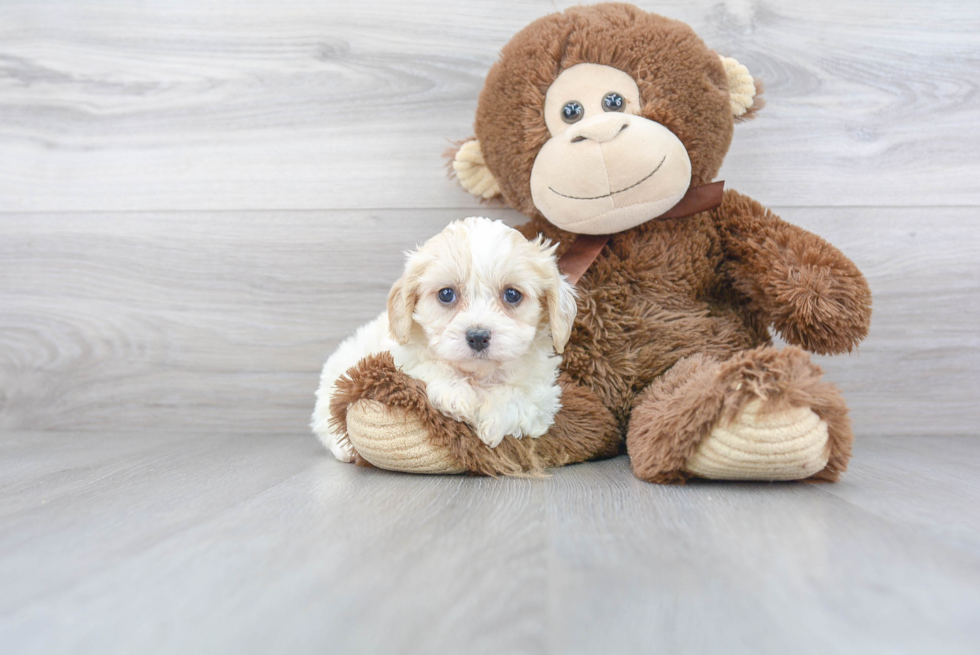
x: 602, y: 117
x: 605, y: 167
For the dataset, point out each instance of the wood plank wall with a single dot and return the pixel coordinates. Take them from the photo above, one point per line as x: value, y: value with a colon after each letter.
x: 198, y: 200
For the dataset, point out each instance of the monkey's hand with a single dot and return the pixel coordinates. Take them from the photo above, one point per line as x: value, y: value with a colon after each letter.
x: 812, y: 294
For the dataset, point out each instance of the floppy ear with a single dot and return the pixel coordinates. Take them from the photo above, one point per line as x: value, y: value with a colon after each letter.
x: 401, y: 306
x: 471, y: 170
x: 743, y: 90
x: 562, y: 309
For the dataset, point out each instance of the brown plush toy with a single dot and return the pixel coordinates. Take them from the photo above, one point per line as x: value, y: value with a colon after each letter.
x: 606, y: 125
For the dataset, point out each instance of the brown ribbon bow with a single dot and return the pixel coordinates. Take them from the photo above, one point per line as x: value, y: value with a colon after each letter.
x: 586, y: 247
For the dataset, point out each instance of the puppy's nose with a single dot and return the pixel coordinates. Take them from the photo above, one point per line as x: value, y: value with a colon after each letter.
x: 478, y: 338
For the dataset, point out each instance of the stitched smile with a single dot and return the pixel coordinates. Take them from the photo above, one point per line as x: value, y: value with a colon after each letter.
x: 612, y: 193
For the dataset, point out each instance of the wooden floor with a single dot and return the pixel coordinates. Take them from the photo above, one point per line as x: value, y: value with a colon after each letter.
x: 200, y: 198
x: 206, y: 543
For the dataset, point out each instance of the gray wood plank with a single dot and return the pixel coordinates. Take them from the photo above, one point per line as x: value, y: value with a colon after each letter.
x: 221, y: 320
x: 301, y: 104
x: 758, y: 568
x: 222, y: 543
x: 266, y: 544
x: 118, y: 496
x: 941, y: 498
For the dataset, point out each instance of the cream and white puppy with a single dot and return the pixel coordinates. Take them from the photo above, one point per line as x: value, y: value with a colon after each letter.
x: 478, y: 316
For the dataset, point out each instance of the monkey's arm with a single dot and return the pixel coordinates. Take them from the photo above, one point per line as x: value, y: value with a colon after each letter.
x: 389, y: 421
x: 812, y: 294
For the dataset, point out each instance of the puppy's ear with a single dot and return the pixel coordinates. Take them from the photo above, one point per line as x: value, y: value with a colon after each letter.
x: 401, y: 306
x: 561, y: 309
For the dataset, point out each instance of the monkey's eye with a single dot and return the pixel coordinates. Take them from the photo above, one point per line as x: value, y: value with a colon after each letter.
x: 447, y: 296
x: 572, y: 111
x: 613, y: 102
x: 513, y: 296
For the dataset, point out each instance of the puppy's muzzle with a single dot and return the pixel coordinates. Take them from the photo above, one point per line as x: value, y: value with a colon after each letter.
x: 478, y: 338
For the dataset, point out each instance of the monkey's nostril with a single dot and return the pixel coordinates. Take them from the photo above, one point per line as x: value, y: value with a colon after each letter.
x: 625, y: 125
x: 578, y: 139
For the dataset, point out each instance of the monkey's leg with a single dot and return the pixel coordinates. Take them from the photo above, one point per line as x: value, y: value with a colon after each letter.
x: 763, y: 414
x: 386, y: 416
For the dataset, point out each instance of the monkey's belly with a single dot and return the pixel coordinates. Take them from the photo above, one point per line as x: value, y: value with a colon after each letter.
x: 618, y: 355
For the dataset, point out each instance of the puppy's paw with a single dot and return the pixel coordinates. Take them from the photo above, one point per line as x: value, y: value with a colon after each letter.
x: 491, y: 429
x: 453, y: 398
x: 524, y: 417
x: 539, y: 427
x: 342, y: 450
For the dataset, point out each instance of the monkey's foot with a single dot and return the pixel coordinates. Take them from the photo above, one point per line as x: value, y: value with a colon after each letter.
x: 791, y: 444
x: 762, y: 414
x: 392, y: 438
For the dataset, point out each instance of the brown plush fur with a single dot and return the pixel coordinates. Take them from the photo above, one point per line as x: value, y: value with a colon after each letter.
x: 583, y: 430
x: 807, y: 289
x: 707, y: 285
x: 674, y: 312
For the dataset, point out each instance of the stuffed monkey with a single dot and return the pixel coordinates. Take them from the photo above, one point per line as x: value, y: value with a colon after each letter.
x: 606, y: 125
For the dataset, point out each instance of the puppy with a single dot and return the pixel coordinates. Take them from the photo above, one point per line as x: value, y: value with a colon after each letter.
x: 478, y: 316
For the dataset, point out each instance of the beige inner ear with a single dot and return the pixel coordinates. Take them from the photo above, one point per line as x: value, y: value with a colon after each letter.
x: 472, y: 172
x: 741, y: 86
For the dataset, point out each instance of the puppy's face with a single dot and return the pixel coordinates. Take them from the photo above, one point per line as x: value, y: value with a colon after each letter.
x: 479, y: 292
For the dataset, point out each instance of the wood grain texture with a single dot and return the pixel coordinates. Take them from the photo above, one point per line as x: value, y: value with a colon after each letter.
x: 298, y: 104
x: 222, y: 320
x: 203, y: 543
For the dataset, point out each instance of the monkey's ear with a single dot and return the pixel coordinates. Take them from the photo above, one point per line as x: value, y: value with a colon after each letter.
x: 743, y: 91
x: 471, y: 170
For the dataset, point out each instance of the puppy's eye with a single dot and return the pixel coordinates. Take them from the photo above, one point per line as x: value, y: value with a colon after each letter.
x: 572, y: 112
x: 512, y: 296
x: 613, y: 102
x: 447, y: 296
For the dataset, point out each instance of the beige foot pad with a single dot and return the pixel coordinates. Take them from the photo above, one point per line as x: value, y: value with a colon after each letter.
x: 389, y: 439
x: 787, y: 445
